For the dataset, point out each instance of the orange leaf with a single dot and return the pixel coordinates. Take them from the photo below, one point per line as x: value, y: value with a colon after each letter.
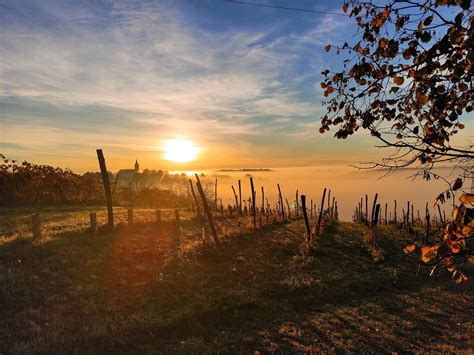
x: 409, y: 248
x: 345, y: 7
x: 427, y: 130
x: 428, y: 253
x: 398, y: 80
x: 327, y: 48
x: 421, y: 99
x: 467, y: 198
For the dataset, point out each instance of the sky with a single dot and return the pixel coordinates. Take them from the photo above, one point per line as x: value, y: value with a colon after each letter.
x: 241, y: 82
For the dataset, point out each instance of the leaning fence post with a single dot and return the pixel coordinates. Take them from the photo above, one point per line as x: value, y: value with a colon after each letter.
x: 321, y: 213
x: 35, y: 219
x: 305, y: 216
x: 235, y: 195
x: 105, y: 181
x: 206, y: 209
x: 373, y: 209
x: 254, y: 207
x: 93, y: 217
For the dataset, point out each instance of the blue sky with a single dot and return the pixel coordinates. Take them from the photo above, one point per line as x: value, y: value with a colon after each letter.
x: 240, y: 81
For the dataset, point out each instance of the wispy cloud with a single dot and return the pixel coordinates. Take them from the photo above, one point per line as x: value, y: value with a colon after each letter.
x: 137, y: 72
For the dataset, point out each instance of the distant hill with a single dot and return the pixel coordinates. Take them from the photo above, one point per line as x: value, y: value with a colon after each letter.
x: 246, y: 169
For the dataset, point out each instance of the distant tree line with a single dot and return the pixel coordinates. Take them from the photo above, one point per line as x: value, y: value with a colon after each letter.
x: 28, y: 184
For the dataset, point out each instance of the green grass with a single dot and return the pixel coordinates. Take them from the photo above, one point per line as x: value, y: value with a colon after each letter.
x: 133, y: 291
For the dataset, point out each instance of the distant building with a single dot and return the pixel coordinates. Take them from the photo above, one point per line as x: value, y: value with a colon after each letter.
x: 126, y: 175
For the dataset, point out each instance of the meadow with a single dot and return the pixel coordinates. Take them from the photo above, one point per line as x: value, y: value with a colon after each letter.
x: 147, y: 288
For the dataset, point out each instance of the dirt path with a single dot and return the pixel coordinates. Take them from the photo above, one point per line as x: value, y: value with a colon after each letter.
x: 126, y: 293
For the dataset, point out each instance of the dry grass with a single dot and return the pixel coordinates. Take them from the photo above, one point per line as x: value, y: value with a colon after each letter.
x: 134, y: 291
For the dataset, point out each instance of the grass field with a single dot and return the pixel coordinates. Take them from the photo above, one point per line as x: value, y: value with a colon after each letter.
x: 135, y: 290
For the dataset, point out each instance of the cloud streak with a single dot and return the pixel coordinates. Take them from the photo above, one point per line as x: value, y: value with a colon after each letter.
x: 130, y: 73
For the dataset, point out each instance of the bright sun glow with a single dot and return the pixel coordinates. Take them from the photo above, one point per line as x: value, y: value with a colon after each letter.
x: 180, y: 150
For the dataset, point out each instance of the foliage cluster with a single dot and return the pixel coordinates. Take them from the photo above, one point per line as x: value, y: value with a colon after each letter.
x: 28, y: 184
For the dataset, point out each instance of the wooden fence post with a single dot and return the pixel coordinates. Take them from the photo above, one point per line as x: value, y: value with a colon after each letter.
x: 106, y: 182
x: 329, y: 200
x: 130, y: 217
x: 215, y: 195
x: 373, y: 209
x: 254, y: 207
x: 236, y: 198
x: 366, y: 208
x: 289, y: 209
x: 263, y: 200
x: 93, y: 217
x: 206, y: 209
x: 427, y: 231
x: 320, y: 213
x: 395, y: 219
x: 374, y: 225
x: 240, y: 198
x: 36, y: 223
x: 305, y: 216
x: 281, y: 203
x: 332, y: 207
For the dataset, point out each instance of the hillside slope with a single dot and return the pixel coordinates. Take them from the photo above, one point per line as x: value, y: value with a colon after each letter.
x: 125, y: 292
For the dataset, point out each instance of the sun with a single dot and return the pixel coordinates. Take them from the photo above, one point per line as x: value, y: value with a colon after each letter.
x: 180, y: 150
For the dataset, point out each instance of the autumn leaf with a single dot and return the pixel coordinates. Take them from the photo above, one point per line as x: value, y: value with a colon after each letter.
x: 345, y: 7
x: 457, y: 184
x: 327, y: 48
x: 330, y: 89
x: 420, y: 26
x: 428, y: 253
x: 421, y: 99
x: 409, y: 249
x: 398, y: 80
x: 427, y: 130
x: 467, y: 198
x: 428, y: 21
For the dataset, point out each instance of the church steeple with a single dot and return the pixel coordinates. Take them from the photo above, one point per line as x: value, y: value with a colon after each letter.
x: 137, y: 166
